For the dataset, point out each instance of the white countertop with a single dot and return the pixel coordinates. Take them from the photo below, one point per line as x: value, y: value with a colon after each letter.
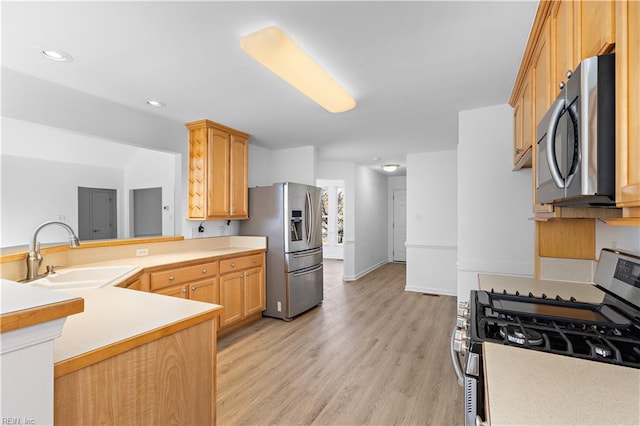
x: 16, y: 297
x: 114, y: 314
x: 528, y: 387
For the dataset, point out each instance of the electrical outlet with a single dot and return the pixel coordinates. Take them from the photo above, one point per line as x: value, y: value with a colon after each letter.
x: 142, y: 252
x: 279, y: 306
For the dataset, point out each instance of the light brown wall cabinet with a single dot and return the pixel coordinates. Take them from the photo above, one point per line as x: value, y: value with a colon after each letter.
x: 218, y: 171
x: 563, y: 33
x: 242, y: 289
x: 628, y: 110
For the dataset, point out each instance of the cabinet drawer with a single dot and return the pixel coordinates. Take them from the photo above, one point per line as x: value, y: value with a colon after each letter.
x: 182, y: 275
x: 230, y: 265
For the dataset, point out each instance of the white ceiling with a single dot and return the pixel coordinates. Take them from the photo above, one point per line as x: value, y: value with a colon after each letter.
x: 410, y: 65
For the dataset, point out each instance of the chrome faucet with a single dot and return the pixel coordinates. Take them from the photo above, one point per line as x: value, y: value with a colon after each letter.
x: 34, y: 259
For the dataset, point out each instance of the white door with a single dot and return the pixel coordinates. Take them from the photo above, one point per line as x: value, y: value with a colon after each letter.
x: 399, y: 225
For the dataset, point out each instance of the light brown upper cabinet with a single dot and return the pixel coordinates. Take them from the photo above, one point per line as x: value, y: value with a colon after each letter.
x: 596, y: 26
x: 218, y: 171
x: 522, y: 126
x: 564, y: 41
x: 628, y: 108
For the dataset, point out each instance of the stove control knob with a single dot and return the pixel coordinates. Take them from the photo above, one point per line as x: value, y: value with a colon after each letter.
x: 460, y: 335
x: 463, y: 311
x: 462, y: 322
x: 460, y: 346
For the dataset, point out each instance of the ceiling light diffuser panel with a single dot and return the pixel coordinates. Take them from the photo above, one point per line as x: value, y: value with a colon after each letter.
x: 277, y: 52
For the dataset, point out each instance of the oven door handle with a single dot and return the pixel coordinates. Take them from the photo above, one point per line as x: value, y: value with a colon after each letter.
x: 455, y: 360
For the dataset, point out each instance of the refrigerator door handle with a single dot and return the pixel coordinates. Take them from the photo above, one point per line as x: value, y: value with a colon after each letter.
x: 309, y: 219
x: 307, y: 253
x: 307, y: 271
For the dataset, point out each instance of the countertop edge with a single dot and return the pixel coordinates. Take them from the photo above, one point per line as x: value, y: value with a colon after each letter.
x: 38, y: 314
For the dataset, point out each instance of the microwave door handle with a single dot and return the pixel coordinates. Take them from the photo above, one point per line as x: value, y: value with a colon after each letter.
x: 551, y: 143
x: 571, y: 174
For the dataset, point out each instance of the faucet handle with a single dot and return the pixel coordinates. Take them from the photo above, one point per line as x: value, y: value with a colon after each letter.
x: 51, y: 269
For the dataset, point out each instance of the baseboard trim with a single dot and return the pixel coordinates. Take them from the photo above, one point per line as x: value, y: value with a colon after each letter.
x: 363, y: 273
x: 430, y: 290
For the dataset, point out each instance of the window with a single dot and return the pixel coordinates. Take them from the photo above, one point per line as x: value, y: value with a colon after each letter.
x: 332, y: 200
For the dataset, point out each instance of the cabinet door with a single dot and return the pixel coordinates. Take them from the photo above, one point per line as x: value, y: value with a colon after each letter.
x: 628, y: 107
x: 564, y: 43
x: 175, y: 291
x: 197, y: 173
x: 218, y: 183
x: 523, y: 128
x: 254, y: 297
x: 205, y: 291
x: 231, y: 298
x: 239, y: 177
x: 542, y: 75
x: 597, y: 27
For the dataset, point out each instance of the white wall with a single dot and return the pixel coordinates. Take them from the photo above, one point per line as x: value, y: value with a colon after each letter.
x: 431, y: 222
x: 49, y: 163
x: 55, y: 197
x: 620, y: 237
x: 495, y: 233
x: 371, y: 221
x: 294, y: 165
x: 152, y: 169
x: 393, y: 183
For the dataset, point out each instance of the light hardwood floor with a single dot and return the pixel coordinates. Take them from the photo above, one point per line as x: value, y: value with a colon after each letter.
x: 371, y: 354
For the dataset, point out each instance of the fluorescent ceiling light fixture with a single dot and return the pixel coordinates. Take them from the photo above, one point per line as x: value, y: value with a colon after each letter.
x: 156, y: 104
x: 56, y: 55
x: 390, y: 167
x: 277, y: 52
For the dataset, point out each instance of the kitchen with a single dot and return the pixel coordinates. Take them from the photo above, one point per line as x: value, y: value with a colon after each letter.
x: 446, y: 247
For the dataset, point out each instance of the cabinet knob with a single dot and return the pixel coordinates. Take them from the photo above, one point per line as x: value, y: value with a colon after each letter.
x: 204, y: 271
x: 254, y: 261
x: 569, y: 74
x: 246, y: 274
x: 193, y: 289
x: 184, y: 290
x: 561, y: 85
x: 241, y: 275
x: 171, y: 278
x: 233, y: 265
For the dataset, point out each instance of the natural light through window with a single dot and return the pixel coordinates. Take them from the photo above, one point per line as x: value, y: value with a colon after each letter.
x: 332, y: 215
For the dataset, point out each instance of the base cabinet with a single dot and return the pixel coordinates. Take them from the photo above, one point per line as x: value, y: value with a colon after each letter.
x: 157, y: 383
x: 242, y: 289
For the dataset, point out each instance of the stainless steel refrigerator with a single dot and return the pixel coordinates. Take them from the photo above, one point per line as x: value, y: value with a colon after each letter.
x: 289, y: 215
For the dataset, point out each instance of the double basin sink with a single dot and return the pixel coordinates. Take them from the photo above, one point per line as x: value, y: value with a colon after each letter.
x: 83, y: 278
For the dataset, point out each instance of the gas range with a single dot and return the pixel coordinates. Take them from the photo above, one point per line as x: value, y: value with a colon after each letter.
x: 607, y: 332
x: 604, y: 333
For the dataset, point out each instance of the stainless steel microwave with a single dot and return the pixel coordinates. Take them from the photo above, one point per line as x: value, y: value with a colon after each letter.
x: 576, y: 139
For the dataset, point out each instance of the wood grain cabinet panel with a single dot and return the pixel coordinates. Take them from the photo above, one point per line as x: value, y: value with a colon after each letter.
x: 171, y: 380
x: 628, y: 107
x: 242, y: 289
x: 564, y: 42
x: 218, y: 171
x: 596, y: 27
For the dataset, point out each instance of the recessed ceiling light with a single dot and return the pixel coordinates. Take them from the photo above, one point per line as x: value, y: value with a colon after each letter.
x: 156, y: 104
x: 56, y: 55
x: 390, y: 167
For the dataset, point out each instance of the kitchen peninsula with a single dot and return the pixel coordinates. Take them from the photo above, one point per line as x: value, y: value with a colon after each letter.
x: 139, y: 356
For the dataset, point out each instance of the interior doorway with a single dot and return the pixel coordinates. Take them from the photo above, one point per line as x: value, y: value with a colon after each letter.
x: 97, y: 213
x: 147, y: 212
x: 399, y: 225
